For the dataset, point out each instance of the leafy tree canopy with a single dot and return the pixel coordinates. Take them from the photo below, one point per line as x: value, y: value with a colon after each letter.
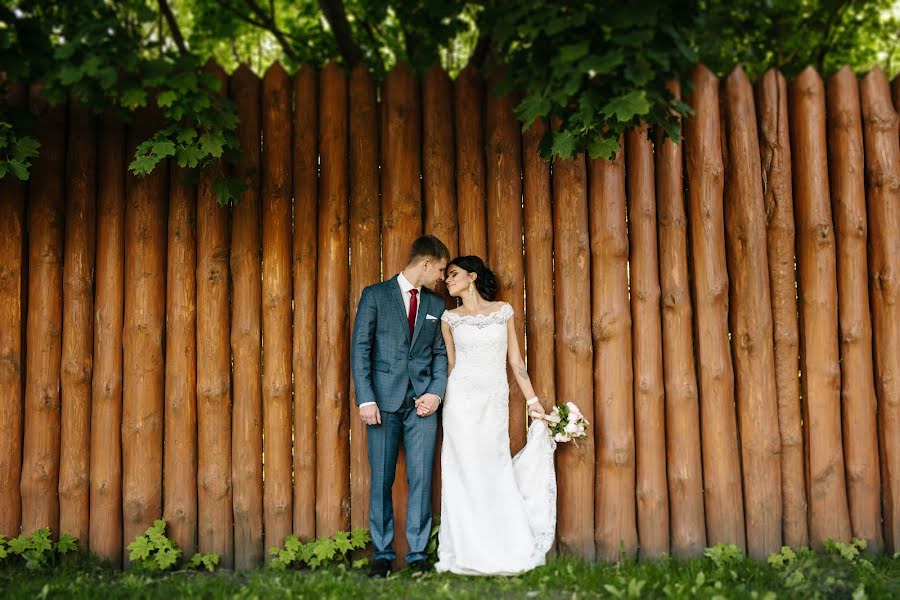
x: 595, y: 68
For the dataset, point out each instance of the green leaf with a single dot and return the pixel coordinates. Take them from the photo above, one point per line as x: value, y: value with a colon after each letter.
x: 601, y: 147
x: 211, y: 143
x: 186, y: 135
x: 164, y: 148
x: 188, y: 156
x: 563, y: 144
x: 26, y: 147
x: 531, y: 107
x: 67, y: 543
x: 69, y: 74
x: 603, y: 63
x: 572, y: 52
x: 166, y: 558
x: 139, y: 549
x: 166, y: 98
x: 142, y: 165
x: 134, y: 98
x: 624, y: 108
x: 17, y: 168
x: 19, y: 544
x: 210, y: 561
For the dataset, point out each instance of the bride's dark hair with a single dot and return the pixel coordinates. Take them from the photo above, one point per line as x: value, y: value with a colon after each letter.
x: 485, y: 282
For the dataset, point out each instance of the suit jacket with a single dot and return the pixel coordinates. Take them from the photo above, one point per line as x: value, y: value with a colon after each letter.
x: 384, y: 359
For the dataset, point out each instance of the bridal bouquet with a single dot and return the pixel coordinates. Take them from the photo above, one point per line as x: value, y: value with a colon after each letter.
x: 566, y: 422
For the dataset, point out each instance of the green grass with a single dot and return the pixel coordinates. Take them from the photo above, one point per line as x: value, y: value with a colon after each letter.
x: 722, y: 575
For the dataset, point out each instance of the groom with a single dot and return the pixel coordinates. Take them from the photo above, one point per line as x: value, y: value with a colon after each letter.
x: 399, y: 365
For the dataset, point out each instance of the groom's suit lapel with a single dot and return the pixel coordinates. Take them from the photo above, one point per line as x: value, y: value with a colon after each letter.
x: 397, y: 295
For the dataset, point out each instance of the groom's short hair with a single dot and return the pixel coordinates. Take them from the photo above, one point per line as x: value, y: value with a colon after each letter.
x: 428, y: 246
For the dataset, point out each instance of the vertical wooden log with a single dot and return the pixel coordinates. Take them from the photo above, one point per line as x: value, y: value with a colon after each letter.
x: 775, y: 155
x: 616, y: 520
x: 646, y: 332
x: 751, y: 322
x: 306, y: 166
x: 848, y: 204
x: 540, y: 322
x: 40, y: 461
x: 468, y: 104
x: 895, y: 92
x: 574, y: 354
x: 78, y: 323
x: 503, y: 157
x: 401, y: 216
x: 365, y: 263
x: 214, y: 493
x: 333, y: 348
x: 721, y: 462
x: 684, y: 470
x: 246, y: 340
x: 276, y: 305
x: 180, y: 452
x: 614, y: 512
x: 828, y: 514
x: 142, y: 336
x: 883, y: 194
x: 438, y: 161
x: 106, y: 402
x: 12, y: 318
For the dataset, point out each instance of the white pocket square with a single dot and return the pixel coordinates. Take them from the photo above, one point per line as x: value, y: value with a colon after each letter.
x: 430, y: 317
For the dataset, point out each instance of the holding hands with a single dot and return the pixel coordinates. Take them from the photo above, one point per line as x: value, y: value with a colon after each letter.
x: 426, y: 404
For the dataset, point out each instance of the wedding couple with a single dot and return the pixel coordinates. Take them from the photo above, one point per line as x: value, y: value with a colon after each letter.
x: 412, y: 359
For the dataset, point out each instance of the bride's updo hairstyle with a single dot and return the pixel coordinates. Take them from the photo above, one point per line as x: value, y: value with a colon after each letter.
x: 485, y: 282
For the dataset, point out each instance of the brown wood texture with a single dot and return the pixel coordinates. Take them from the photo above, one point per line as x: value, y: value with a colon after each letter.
x: 365, y: 261
x: 439, y: 162
x: 719, y: 442
x: 106, y: 401
x: 401, y: 216
x: 540, y: 322
x: 45, y: 214
x: 682, y: 411
x: 277, y: 288
x: 333, y: 348
x: 246, y: 329
x: 143, y: 382
x: 180, y: 434
x: 12, y: 349
x: 306, y: 156
x: 214, y: 489
x: 828, y: 513
x: 468, y: 109
x: 615, y: 515
x: 846, y: 173
x: 503, y: 159
x: 646, y: 333
x: 775, y: 157
x: 895, y: 92
x: 751, y: 321
x: 78, y: 322
x: 883, y: 194
x: 574, y: 354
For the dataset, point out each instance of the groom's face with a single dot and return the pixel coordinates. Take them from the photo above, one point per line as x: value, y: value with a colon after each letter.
x: 433, y: 272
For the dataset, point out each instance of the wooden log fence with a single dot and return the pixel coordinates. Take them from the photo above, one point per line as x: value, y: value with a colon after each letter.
x: 164, y: 356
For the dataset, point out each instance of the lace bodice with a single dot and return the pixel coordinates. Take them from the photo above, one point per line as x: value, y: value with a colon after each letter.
x: 480, y: 340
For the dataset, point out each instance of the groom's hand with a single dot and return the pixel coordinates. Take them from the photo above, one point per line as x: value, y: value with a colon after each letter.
x: 370, y: 414
x: 426, y: 404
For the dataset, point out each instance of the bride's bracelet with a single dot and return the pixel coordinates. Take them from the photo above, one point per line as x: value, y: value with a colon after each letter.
x: 533, y: 400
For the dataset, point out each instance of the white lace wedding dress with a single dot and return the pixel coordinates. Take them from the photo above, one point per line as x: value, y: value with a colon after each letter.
x: 498, y: 513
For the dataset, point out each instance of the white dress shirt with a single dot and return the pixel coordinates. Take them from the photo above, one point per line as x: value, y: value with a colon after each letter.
x: 405, y: 286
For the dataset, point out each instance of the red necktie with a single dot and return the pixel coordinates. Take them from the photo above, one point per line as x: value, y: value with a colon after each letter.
x: 413, y: 306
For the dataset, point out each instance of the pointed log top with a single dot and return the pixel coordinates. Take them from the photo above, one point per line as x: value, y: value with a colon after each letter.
x: 215, y: 68
x: 737, y: 78
x: 244, y: 74
x: 844, y: 76
x: 306, y: 70
x: 470, y: 72
x: 360, y: 74
x: 275, y: 71
x: 808, y: 75
x: 402, y: 68
x: 436, y: 71
x: 772, y: 73
x: 876, y: 75
x: 701, y: 74
x: 674, y: 86
x: 331, y: 66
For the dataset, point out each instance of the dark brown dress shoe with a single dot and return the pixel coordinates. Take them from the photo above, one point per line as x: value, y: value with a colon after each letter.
x: 419, y: 567
x: 380, y: 568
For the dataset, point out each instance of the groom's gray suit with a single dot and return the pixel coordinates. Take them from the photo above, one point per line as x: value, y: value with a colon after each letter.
x: 392, y: 369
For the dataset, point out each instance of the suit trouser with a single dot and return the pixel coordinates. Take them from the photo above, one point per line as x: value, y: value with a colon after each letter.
x: 418, y: 436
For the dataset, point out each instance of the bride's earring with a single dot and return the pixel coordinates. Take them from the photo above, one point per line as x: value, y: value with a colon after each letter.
x: 471, y: 291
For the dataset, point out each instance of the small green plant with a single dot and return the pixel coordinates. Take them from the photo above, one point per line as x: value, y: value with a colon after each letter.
x: 725, y: 555
x: 319, y: 552
x: 37, y: 549
x: 209, y: 561
x: 152, y: 550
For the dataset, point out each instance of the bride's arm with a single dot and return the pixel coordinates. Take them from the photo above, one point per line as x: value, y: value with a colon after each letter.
x: 518, y: 366
x: 448, y: 342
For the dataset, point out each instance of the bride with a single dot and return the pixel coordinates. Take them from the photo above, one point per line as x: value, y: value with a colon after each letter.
x: 498, y: 513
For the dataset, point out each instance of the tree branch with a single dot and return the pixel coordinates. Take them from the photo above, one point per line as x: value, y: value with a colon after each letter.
x: 263, y: 21
x: 337, y: 18
x: 166, y: 11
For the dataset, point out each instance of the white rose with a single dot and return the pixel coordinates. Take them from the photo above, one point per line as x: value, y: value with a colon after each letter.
x: 572, y: 417
x: 552, y: 418
x: 572, y: 407
x: 559, y: 437
x: 571, y: 428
